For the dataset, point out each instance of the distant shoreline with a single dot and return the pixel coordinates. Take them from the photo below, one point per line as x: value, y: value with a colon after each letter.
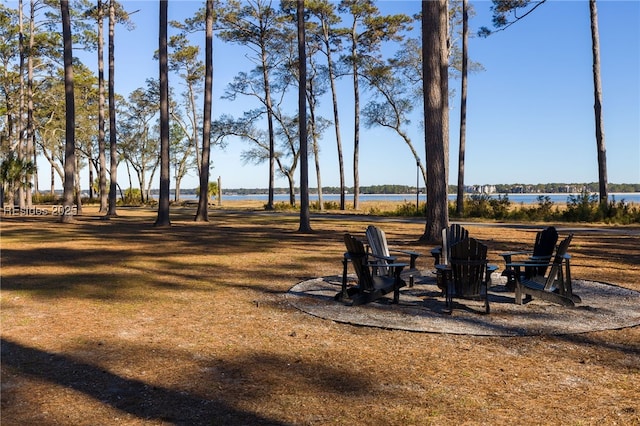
x: 518, y: 198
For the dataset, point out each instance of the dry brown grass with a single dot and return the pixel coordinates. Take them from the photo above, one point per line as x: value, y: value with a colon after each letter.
x: 118, y: 322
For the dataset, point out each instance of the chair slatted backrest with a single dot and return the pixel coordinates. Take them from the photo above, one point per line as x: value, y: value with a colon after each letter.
x: 545, y: 242
x: 543, y: 250
x: 377, y: 240
x: 450, y: 236
x: 555, y: 273
x: 468, y: 263
x: 358, y: 256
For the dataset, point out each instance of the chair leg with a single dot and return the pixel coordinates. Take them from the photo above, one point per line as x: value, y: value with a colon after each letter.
x: 518, y: 293
x: 344, y: 293
x: 398, y: 282
x: 449, y: 295
x: 412, y: 262
x: 486, y: 295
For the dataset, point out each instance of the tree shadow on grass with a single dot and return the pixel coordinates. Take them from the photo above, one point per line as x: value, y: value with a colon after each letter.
x: 131, y: 396
x: 178, y: 407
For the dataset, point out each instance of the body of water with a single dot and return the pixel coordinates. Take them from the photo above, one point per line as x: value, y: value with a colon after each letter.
x: 630, y: 197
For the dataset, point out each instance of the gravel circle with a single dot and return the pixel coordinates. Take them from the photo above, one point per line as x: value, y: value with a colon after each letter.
x: 422, y: 309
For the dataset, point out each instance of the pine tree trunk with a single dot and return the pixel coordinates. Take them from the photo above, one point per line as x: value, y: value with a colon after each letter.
x: 102, y: 172
x: 434, y: 13
x: 463, y: 109
x: 163, y: 201
x: 597, y: 89
x: 336, y: 119
x: 305, y: 225
x: 69, y: 152
x: 202, y: 215
x: 113, y: 153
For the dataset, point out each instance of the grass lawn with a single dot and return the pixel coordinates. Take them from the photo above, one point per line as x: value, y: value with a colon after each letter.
x: 109, y: 322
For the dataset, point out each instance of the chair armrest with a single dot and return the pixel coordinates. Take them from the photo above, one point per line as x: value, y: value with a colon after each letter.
x: 537, y: 261
x: 437, y: 254
x: 385, y: 258
x: 412, y: 254
x: 527, y: 264
x: 513, y: 253
x: 390, y: 265
x: 507, y: 256
x: 396, y: 267
x: 540, y: 259
x: 409, y: 252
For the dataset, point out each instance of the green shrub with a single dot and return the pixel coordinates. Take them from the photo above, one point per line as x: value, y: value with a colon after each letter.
x: 541, y: 212
x: 544, y: 205
x: 583, y: 207
x: 212, y: 191
x: 500, y: 206
x: 375, y: 211
x: 452, y: 207
x: 45, y: 198
x: 478, y: 205
x: 521, y: 213
x: 90, y: 201
x: 132, y: 197
x: 331, y: 205
x: 283, y: 206
x: 620, y: 212
x: 405, y: 209
x: 326, y: 205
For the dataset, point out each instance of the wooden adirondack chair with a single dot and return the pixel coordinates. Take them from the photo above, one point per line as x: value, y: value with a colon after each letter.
x: 555, y: 286
x: 379, y: 247
x: 541, y: 254
x: 370, y: 286
x: 450, y: 236
x: 441, y: 254
x: 468, y: 274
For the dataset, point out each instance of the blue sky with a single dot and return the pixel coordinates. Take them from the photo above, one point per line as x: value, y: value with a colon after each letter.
x: 530, y: 112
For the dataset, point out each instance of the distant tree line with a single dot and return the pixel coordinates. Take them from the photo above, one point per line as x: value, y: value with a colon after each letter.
x: 559, y: 188
x: 541, y: 188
